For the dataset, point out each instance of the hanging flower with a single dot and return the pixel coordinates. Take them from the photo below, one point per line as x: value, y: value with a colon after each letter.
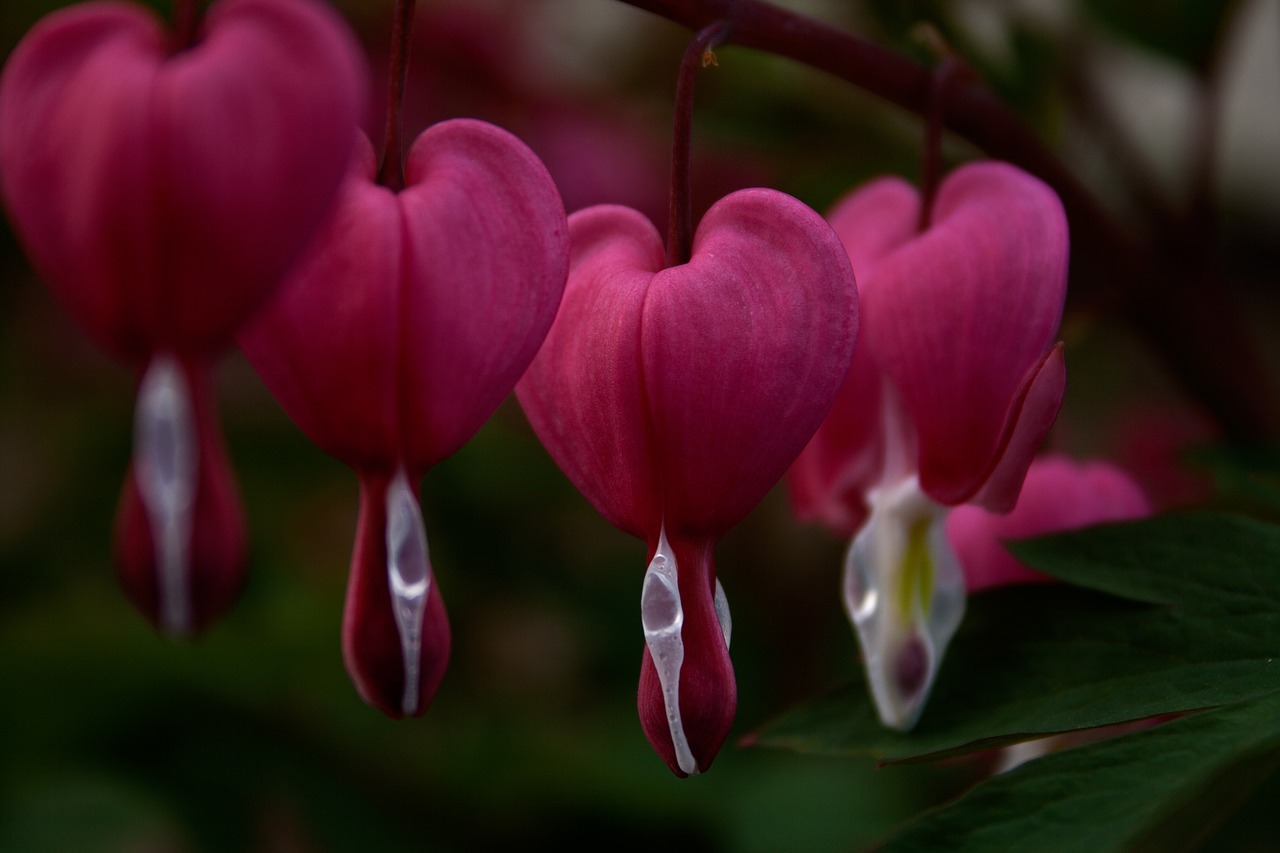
x: 674, y: 396
x: 162, y: 190
x: 393, y: 342
x: 954, y: 387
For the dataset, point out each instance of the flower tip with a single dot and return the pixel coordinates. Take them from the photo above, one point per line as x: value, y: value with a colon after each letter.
x: 707, y: 702
x: 378, y: 669
x: 183, y: 598
x: 395, y: 631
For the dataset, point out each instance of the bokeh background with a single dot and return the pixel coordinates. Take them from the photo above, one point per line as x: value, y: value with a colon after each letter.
x: 252, y: 737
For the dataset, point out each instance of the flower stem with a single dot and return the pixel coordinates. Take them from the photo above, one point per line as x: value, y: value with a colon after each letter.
x: 680, y: 215
x: 391, y: 169
x: 186, y: 23
x: 949, y: 71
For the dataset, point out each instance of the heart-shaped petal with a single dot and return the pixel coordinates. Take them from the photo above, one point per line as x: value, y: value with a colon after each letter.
x: 164, y: 194
x: 584, y: 392
x: 1059, y: 494
x: 744, y: 350
x: 960, y: 316
x: 416, y: 312
x: 683, y: 394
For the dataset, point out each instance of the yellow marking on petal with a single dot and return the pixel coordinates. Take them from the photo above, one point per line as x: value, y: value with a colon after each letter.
x: 916, y: 579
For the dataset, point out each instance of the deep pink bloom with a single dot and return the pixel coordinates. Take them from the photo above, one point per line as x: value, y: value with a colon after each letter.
x: 393, y: 342
x: 1059, y: 494
x: 955, y: 384
x: 162, y: 193
x: 675, y: 397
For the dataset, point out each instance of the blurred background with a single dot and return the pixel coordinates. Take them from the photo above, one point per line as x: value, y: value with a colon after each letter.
x: 252, y: 737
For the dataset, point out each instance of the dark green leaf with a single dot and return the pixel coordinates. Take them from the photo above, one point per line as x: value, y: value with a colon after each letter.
x: 1159, y: 789
x: 1045, y: 659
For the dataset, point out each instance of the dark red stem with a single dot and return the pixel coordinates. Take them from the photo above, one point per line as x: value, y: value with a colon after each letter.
x: 391, y: 170
x: 949, y: 71
x: 680, y: 218
x: 186, y: 23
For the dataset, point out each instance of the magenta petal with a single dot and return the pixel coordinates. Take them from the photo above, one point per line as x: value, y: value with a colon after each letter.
x: 216, y: 549
x: 744, y: 350
x: 206, y: 171
x: 486, y: 259
x: 959, y: 314
x: 847, y: 455
x: 372, y: 646
x: 708, y: 692
x: 874, y: 221
x: 583, y: 393
x: 829, y: 480
x: 1059, y: 494
x: 327, y: 343
x: 1033, y: 412
x: 415, y: 313
x: 685, y: 393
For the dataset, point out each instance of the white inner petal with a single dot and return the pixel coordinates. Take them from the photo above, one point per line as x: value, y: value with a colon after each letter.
x: 409, y: 579
x: 662, y: 616
x: 722, y: 613
x: 904, y: 593
x: 166, y: 465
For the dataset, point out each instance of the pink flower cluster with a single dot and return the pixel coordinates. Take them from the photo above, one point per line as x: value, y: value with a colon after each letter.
x: 181, y: 198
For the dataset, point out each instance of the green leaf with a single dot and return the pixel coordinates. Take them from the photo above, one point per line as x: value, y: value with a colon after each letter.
x: 1201, y: 628
x: 1248, y: 478
x: 1161, y: 789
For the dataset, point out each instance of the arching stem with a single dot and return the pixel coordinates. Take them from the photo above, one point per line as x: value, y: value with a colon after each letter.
x: 391, y: 170
x: 680, y: 217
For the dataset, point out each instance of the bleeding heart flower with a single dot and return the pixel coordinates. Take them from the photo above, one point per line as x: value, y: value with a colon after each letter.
x: 1059, y: 494
x: 393, y: 342
x: 955, y: 387
x: 674, y: 397
x: 162, y: 191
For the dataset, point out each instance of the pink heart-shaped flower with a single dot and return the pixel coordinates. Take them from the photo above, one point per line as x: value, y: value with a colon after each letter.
x: 956, y: 384
x: 394, y: 341
x: 675, y: 397
x: 162, y: 191
x: 961, y: 319
x: 164, y: 194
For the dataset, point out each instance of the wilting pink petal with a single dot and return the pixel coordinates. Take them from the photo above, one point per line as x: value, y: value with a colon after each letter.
x: 1058, y: 495
x: 675, y: 397
x: 958, y: 314
x: 163, y: 195
x: 391, y: 344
